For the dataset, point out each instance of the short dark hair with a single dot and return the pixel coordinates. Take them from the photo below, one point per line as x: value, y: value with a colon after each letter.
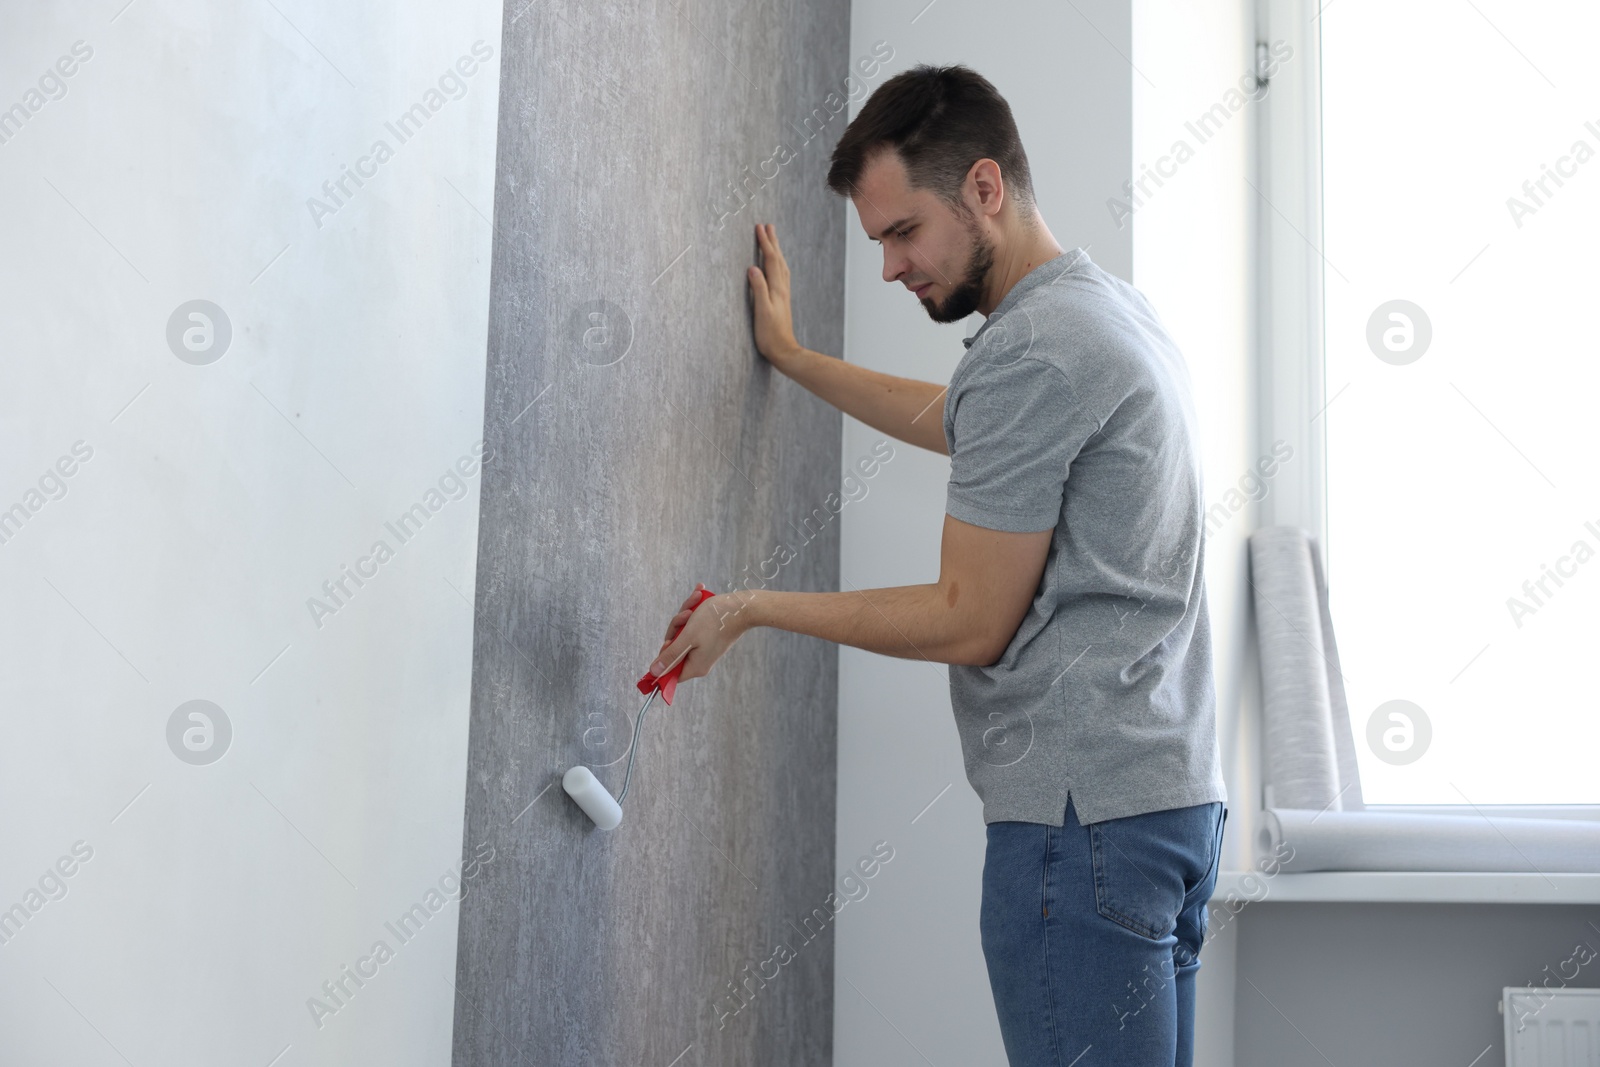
x: 941, y: 120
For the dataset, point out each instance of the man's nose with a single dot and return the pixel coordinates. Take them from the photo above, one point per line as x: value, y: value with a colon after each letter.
x: 893, y: 266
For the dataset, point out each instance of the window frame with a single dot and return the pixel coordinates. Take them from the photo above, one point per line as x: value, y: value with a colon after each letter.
x: 1293, y: 380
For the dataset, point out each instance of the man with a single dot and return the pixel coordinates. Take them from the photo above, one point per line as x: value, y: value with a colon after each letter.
x: 1070, y: 602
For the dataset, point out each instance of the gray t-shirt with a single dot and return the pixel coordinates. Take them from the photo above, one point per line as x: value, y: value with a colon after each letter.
x: 1071, y: 409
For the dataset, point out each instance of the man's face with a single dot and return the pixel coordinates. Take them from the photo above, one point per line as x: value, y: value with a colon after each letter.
x: 937, y: 252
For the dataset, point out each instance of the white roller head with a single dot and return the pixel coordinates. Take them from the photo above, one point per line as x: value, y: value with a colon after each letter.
x: 597, y: 803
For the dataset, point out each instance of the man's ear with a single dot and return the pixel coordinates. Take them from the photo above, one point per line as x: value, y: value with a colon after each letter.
x: 985, y: 187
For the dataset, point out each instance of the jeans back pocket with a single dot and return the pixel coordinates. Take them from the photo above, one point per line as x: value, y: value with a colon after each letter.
x: 1146, y: 865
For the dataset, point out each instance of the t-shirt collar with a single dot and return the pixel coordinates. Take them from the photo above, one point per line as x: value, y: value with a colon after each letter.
x: 1043, y: 274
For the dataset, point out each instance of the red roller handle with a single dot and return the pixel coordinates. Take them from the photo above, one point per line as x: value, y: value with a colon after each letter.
x: 667, y: 683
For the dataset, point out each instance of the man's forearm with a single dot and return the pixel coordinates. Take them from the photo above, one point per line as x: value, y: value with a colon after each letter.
x: 908, y: 621
x: 904, y: 408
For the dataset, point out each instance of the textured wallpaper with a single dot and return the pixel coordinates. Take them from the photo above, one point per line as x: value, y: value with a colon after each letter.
x: 636, y: 443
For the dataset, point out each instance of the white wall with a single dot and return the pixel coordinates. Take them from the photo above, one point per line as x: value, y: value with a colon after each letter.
x: 910, y: 968
x: 215, y: 501
x: 1193, y: 252
x: 909, y: 965
x: 1193, y: 242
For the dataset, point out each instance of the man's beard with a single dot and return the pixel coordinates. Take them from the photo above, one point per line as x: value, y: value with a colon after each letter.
x: 965, y: 297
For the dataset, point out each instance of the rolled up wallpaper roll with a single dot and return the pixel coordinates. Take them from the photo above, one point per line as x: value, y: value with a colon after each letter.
x: 1394, y: 841
x: 1344, y: 742
x: 1308, y: 753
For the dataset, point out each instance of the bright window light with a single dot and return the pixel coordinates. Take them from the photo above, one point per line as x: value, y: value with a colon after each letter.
x: 1461, y: 162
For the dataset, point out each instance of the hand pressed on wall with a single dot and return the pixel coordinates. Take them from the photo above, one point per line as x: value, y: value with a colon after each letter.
x: 769, y: 298
x: 707, y: 632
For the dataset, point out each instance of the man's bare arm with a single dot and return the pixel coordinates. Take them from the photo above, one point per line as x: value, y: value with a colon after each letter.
x: 987, y: 581
x: 904, y: 408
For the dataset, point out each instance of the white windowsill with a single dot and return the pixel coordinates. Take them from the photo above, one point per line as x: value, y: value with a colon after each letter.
x: 1454, y: 887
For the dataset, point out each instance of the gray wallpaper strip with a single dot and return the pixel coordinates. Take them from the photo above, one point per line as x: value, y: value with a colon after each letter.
x: 638, y: 444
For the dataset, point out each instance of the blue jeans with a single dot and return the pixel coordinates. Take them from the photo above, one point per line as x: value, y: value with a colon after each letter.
x: 1092, y: 935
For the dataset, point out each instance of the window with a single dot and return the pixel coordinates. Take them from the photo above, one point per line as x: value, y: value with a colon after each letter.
x: 1430, y: 208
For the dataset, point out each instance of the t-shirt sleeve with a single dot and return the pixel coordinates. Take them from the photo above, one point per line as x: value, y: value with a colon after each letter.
x: 1016, y: 430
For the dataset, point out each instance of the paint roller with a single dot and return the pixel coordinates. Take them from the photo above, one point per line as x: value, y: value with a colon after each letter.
x: 581, y: 784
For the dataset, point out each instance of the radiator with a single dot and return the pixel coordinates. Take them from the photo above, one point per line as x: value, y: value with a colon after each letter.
x: 1551, y: 1027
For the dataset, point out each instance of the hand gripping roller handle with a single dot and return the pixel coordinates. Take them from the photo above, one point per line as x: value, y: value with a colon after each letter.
x: 581, y: 784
